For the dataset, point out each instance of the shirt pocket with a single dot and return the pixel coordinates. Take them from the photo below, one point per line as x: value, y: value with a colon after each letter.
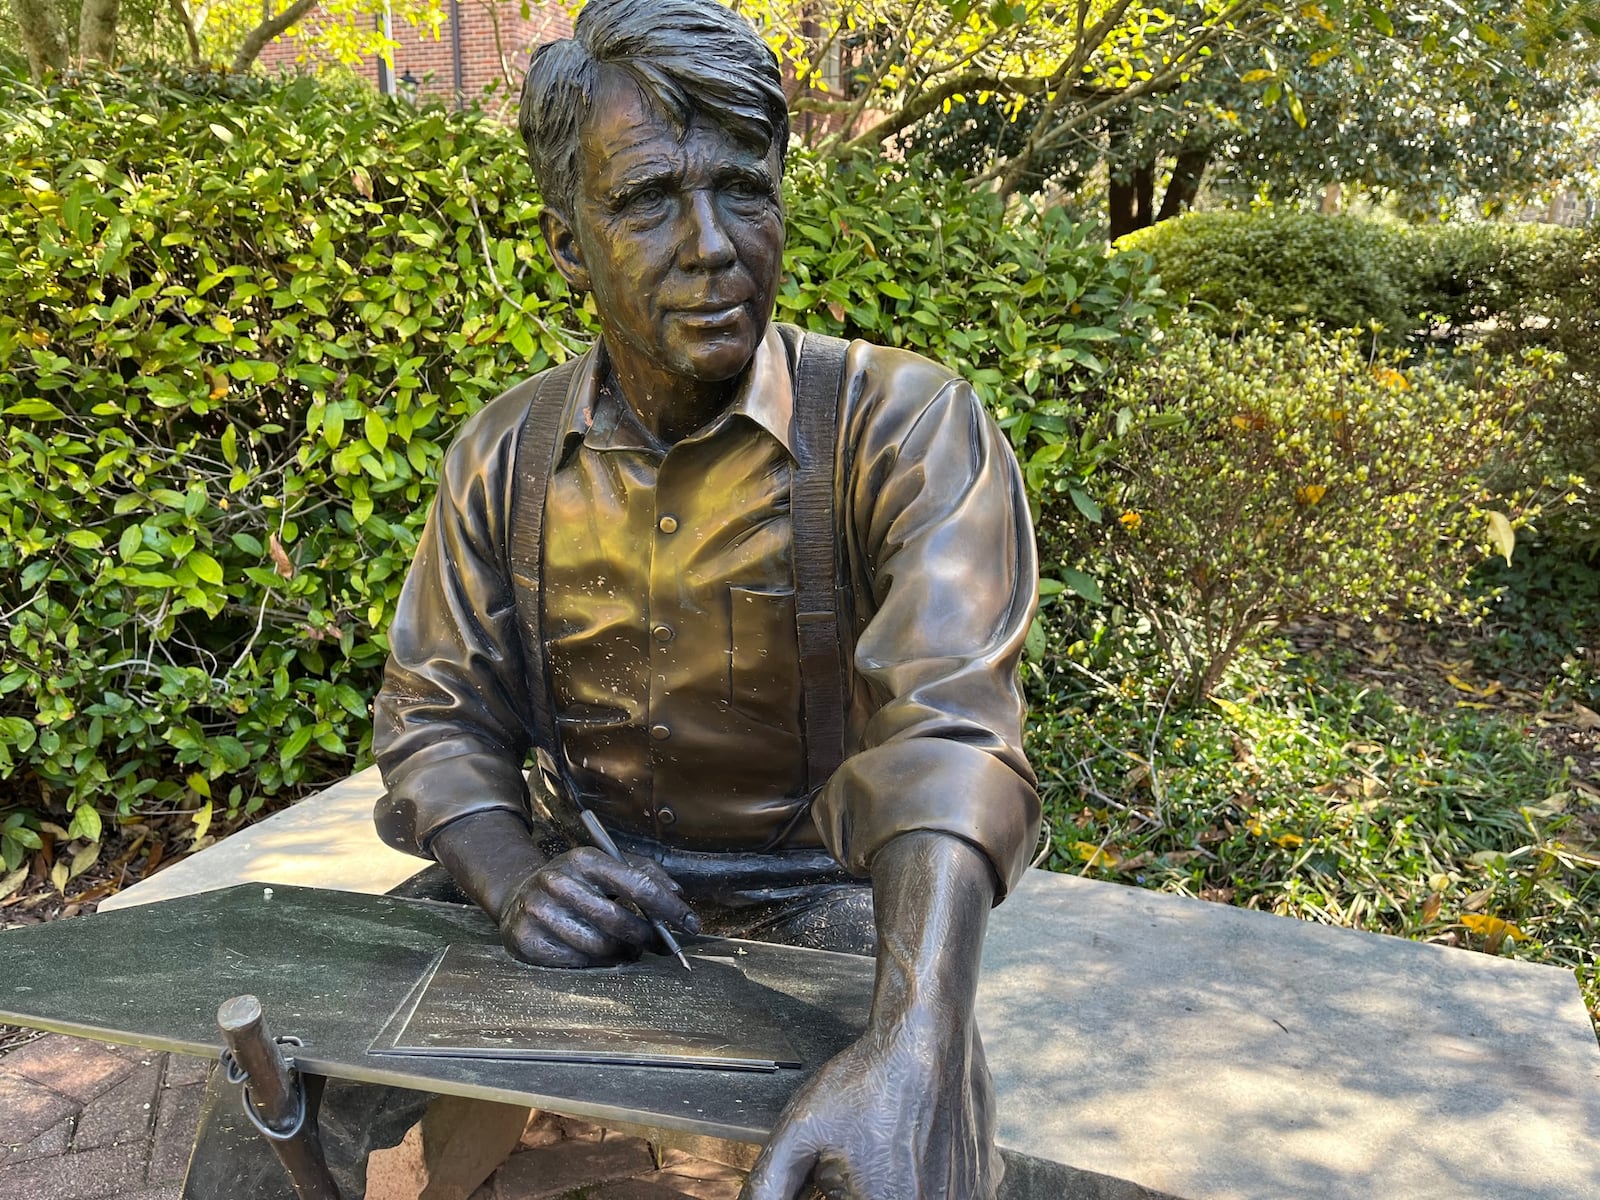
x: 763, y: 656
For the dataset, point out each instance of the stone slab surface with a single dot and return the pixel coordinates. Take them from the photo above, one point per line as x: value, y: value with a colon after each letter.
x: 327, y: 841
x: 1209, y: 1053
x: 1149, y: 1046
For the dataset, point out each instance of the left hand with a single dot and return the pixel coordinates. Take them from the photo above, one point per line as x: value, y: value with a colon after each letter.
x: 902, y: 1114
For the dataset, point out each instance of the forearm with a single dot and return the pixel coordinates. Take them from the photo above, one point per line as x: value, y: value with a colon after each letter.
x: 932, y: 893
x: 489, y: 854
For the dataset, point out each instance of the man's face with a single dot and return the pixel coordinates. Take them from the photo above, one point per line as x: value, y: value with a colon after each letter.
x: 679, y: 237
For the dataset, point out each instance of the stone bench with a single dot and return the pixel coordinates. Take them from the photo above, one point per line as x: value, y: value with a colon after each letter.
x: 1152, y: 1046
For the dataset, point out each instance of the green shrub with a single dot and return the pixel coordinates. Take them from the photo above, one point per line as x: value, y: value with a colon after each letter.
x: 239, y: 321
x: 1340, y: 272
x: 1278, y: 474
x: 1524, y: 284
x: 1030, y: 309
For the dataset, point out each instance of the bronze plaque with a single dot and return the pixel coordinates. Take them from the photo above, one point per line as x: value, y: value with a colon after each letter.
x: 476, y: 1001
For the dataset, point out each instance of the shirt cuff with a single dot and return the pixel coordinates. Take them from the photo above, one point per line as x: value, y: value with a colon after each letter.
x: 430, y: 795
x: 929, y: 784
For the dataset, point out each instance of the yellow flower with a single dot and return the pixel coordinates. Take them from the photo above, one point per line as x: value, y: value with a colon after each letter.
x: 1131, y: 521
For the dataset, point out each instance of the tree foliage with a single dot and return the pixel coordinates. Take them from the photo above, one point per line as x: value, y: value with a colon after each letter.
x: 52, y: 35
x: 1414, y: 98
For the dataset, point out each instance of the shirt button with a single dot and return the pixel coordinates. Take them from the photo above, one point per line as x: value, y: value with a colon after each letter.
x: 660, y: 732
x: 662, y: 633
x: 668, y: 524
x: 666, y: 816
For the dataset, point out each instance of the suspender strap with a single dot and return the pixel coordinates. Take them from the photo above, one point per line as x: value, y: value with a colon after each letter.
x: 537, y: 443
x: 819, y: 380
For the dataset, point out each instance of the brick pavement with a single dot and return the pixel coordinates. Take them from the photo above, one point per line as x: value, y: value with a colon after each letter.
x: 81, y: 1120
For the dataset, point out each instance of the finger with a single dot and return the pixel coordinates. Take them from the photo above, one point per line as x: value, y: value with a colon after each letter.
x: 540, y: 951
x: 655, y: 870
x: 556, y: 920
x: 569, y: 900
x: 782, y: 1169
x: 649, y: 891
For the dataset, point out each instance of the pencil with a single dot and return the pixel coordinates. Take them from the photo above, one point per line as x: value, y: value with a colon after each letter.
x: 603, y: 840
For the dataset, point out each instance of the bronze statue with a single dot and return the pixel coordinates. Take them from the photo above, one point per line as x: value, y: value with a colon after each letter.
x: 656, y: 648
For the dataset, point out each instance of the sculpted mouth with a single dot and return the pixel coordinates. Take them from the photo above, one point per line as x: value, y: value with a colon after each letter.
x: 711, y: 316
x: 707, y: 310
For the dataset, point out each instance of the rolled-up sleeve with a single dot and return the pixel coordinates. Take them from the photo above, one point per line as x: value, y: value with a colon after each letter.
x: 945, y: 576
x: 449, y: 731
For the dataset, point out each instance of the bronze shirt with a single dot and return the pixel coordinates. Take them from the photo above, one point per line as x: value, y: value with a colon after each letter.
x: 669, y: 622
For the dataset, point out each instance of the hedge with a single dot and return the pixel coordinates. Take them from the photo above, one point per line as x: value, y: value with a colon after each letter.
x: 1522, y: 284
x: 1340, y: 272
x: 239, y: 322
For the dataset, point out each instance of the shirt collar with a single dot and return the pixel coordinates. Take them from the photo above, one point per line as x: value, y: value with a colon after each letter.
x: 603, y: 420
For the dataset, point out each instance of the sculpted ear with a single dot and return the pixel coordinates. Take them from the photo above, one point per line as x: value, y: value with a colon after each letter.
x: 564, y: 249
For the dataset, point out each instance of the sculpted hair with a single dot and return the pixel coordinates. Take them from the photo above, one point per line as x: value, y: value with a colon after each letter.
x: 687, y: 56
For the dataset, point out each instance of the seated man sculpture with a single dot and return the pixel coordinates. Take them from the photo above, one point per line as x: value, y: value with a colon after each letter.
x: 753, y: 598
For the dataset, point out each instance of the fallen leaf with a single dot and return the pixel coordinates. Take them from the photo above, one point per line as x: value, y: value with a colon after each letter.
x: 1552, y: 805
x: 1092, y: 855
x: 59, y: 877
x: 1502, y: 535
x: 1477, y: 900
x: 1492, y: 929
x: 13, y: 881
x: 280, y: 557
x: 202, y: 822
x: 84, y: 859
x: 1584, y: 718
x: 1430, y: 908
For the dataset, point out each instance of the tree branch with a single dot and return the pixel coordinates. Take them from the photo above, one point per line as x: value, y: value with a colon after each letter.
x: 256, y: 40
x: 187, y: 23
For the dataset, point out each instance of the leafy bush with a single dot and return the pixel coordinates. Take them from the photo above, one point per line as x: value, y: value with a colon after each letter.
x: 241, y: 318
x: 1536, y: 284
x: 239, y: 322
x: 1277, y: 474
x: 1029, y: 308
x: 1341, y: 272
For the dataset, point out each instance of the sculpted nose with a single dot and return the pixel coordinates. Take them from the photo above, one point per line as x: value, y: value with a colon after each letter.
x: 705, y: 243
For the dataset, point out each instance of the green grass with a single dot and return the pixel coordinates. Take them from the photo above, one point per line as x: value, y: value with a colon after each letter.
x: 1300, y: 791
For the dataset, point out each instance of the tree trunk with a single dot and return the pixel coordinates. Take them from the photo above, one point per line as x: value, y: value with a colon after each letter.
x: 1144, y: 195
x: 1119, y: 187
x: 1330, y: 198
x: 256, y: 40
x: 97, y: 31
x: 44, y: 37
x: 1186, y: 173
x: 1132, y: 197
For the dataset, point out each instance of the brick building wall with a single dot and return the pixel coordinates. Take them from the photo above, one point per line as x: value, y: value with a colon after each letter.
x: 482, y: 44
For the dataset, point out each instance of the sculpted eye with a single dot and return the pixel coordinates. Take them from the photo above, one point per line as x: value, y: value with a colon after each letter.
x: 748, y: 189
